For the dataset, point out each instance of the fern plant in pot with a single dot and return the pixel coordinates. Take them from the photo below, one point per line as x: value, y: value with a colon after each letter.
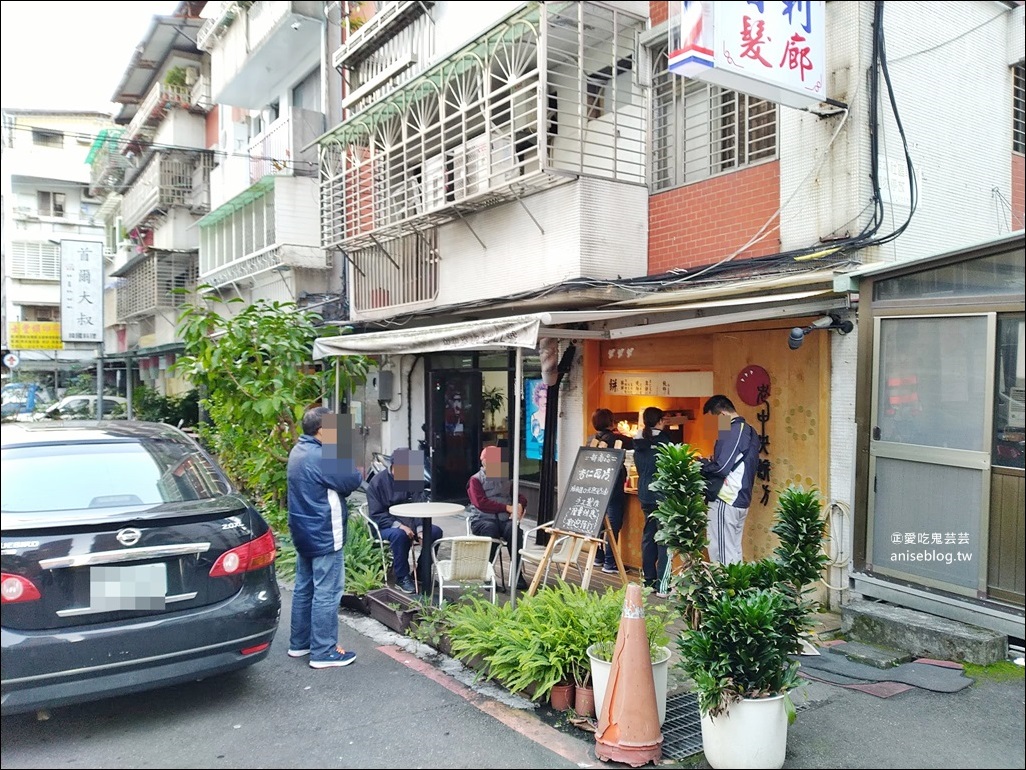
x: 743, y: 621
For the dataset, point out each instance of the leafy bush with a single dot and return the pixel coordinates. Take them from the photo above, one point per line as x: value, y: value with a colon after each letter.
x: 544, y: 640
x: 255, y: 371
x: 151, y: 406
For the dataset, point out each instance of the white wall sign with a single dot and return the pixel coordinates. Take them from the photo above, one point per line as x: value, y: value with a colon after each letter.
x: 770, y: 50
x: 81, y: 291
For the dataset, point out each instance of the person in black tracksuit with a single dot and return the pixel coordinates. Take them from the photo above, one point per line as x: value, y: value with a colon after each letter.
x: 606, y: 436
x: 735, y: 460
x: 655, y: 562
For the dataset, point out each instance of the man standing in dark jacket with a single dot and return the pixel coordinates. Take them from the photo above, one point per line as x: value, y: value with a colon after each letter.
x: 320, y: 477
x: 735, y: 459
x: 403, y: 482
x: 655, y: 558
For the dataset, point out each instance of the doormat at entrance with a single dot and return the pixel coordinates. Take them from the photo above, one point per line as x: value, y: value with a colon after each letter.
x: 879, y: 689
x: 922, y: 675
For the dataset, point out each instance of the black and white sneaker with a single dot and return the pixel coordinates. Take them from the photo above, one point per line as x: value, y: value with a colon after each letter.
x: 406, y: 586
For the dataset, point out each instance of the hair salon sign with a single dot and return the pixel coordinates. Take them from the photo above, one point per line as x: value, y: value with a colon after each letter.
x: 770, y: 50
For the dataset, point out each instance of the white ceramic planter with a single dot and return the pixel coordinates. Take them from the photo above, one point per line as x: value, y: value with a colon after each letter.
x: 600, y: 677
x: 751, y: 734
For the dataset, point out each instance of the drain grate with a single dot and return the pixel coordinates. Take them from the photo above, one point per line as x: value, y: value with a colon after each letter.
x: 682, y: 728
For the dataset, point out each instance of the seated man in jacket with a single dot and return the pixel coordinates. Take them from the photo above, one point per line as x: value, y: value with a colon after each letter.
x: 402, y: 483
x: 491, y: 503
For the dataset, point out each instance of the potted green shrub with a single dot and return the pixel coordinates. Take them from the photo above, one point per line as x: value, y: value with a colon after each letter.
x: 743, y: 622
x: 492, y: 399
x: 541, y: 642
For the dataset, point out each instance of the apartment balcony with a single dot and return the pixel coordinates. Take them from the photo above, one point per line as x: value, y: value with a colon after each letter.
x: 514, y: 112
x: 258, y: 49
x: 376, y: 31
x: 272, y: 225
x: 279, y: 149
x: 147, y: 283
x: 194, y: 96
x: 171, y: 179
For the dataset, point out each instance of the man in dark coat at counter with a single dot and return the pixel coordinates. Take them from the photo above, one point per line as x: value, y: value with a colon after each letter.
x: 491, y: 504
x: 402, y: 483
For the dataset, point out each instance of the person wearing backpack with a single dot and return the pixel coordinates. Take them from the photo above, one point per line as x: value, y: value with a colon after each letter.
x: 730, y: 475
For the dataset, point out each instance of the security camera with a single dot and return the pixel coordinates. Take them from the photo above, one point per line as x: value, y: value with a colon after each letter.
x: 795, y: 339
x: 296, y: 25
x: 797, y: 335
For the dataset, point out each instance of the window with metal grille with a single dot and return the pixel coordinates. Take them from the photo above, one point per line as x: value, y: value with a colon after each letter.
x: 35, y: 261
x: 242, y: 233
x: 1019, y: 107
x: 400, y: 272
x: 700, y: 130
x: 44, y: 138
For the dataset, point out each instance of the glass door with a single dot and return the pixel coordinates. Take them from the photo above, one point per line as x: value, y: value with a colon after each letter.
x: 930, y: 450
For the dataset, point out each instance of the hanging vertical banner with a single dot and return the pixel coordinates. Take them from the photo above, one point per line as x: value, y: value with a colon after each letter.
x: 81, y: 291
x: 771, y: 50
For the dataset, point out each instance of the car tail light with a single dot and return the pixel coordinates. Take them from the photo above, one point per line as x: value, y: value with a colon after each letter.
x: 255, y: 554
x: 255, y: 649
x: 15, y: 588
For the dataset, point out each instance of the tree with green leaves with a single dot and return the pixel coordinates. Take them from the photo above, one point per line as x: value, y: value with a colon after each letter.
x: 255, y: 372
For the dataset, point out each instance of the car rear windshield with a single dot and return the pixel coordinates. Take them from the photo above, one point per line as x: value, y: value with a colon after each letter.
x: 99, y: 475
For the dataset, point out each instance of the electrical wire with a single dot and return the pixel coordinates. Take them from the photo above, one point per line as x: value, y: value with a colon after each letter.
x: 167, y: 147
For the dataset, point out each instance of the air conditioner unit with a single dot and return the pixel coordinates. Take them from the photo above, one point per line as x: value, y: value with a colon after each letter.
x: 434, y: 182
x: 470, y: 167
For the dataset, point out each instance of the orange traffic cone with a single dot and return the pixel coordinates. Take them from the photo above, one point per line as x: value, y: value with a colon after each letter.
x: 628, y: 727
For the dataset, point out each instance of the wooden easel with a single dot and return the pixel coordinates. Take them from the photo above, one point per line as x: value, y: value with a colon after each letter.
x: 593, y: 544
x: 555, y: 535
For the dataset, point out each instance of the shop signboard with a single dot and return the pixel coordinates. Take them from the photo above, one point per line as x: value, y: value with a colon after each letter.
x: 594, y: 476
x: 34, y: 335
x: 770, y: 50
x: 81, y: 291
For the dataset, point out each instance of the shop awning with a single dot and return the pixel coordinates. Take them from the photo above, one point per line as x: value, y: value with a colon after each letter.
x: 518, y: 331
x: 523, y: 331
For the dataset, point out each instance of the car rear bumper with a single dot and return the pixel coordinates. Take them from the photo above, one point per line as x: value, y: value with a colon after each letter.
x: 47, y: 669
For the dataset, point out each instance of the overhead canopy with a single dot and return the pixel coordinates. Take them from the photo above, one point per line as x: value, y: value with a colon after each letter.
x: 524, y: 330
x: 518, y: 331
x: 509, y: 332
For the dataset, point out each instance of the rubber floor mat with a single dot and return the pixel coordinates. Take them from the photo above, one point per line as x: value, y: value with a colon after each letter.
x: 923, y: 675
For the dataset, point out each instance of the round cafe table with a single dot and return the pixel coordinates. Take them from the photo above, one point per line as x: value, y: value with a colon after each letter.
x: 426, y: 512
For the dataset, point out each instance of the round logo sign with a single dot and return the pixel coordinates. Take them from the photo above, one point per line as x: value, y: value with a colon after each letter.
x: 753, y: 385
x: 11, y: 360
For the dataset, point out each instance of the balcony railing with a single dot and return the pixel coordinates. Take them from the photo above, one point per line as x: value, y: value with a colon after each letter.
x: 161, y: 99
x: 224, y: 15
x: 513, y: 112
x: 178, y: 179
x: 376, y: 30
x: 148, y: 283
x: 278, y: 149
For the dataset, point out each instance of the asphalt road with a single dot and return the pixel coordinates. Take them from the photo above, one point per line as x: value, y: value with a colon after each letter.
x: 389, y: 709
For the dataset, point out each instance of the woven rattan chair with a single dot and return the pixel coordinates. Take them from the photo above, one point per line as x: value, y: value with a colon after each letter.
x: 461, y: 562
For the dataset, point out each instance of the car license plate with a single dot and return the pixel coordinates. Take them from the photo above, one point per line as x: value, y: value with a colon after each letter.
x: 135, y: 587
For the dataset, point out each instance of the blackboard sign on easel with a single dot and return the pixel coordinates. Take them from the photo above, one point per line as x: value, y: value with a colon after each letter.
x: 583, y: 508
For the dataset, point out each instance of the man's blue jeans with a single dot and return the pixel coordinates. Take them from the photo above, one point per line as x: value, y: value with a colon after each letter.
x: 315, y: 600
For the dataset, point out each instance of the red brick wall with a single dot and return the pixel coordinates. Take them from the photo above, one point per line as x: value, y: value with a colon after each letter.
x: 702, y: 223
x: 1018, y: 190
x: 658, y: 10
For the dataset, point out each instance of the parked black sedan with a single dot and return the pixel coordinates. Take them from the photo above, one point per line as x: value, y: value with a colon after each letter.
x: 129, y: 562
